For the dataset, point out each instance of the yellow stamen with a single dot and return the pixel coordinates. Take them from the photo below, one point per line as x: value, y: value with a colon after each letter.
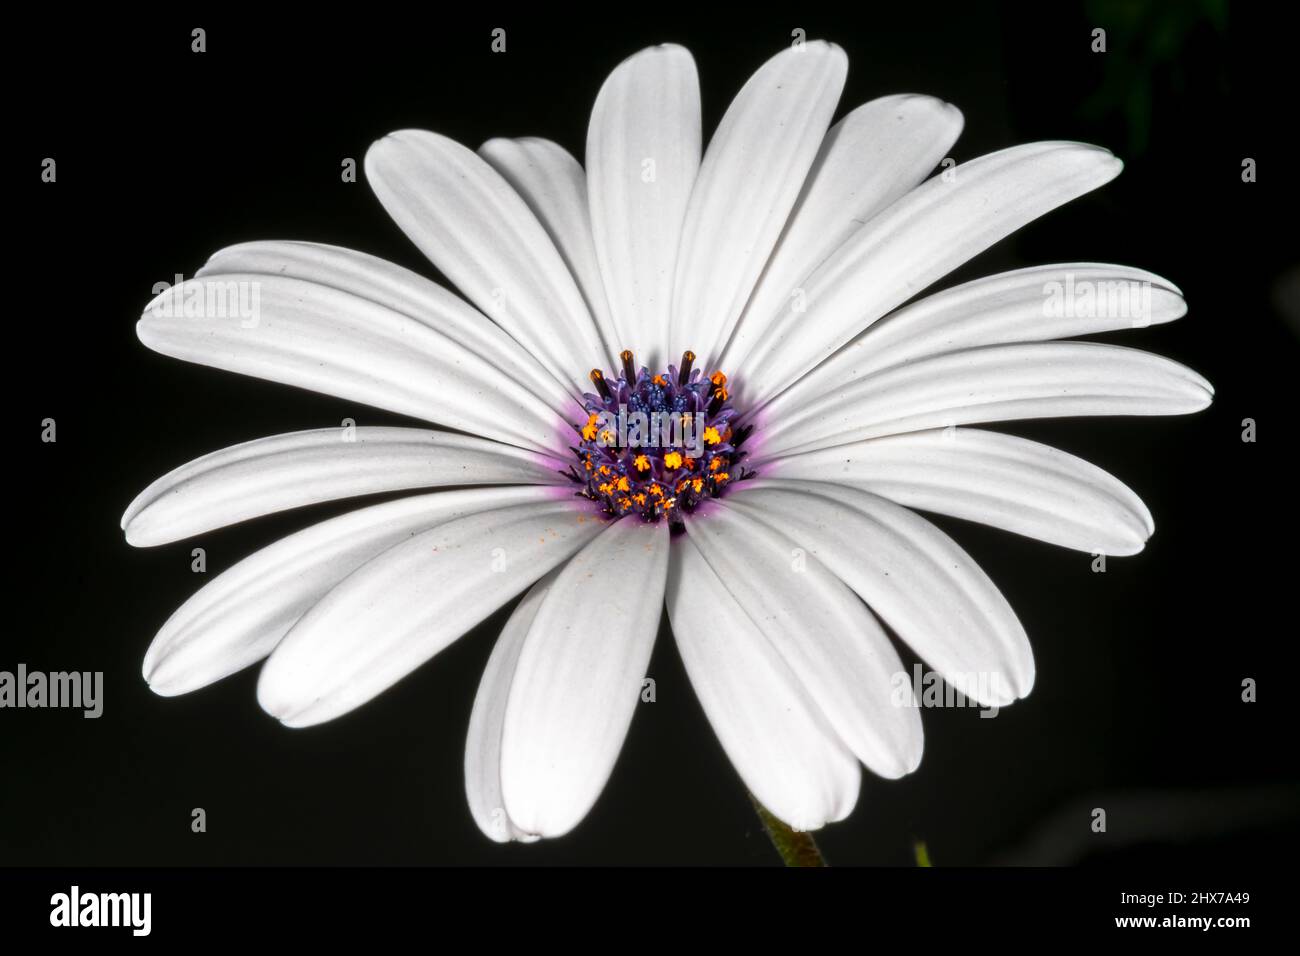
x: 589, y: 430
x: 673, y: 459
x: 642, y: 463
x: 712, y: 436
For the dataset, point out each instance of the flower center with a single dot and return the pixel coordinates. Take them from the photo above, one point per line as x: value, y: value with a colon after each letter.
x: 657, y: 444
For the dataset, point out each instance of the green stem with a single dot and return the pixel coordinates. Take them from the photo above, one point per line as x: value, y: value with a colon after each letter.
x: 922, y: 853
x: 795, y: 847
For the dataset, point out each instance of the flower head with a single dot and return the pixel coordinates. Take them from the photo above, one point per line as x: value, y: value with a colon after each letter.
x: 770, y: 509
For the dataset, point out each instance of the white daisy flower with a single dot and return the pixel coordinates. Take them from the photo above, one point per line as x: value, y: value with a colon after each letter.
x: 780, y: 542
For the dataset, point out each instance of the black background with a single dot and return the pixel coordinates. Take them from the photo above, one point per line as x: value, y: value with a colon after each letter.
x: 165, y: 156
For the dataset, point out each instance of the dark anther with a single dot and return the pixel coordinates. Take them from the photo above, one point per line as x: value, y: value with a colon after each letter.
x: 741, y: 435
x: 598, y: 379
x: 629, y: 370
x: 688, y: 359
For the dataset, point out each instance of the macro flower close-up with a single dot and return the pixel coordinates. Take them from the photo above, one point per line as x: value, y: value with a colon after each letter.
x: 688, y: 374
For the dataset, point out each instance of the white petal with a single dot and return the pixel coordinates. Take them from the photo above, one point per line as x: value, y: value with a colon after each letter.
x: 995, y: 479
x: 273, y: 474
x: 779, y: 742
x: 578, y: 678
x: 991, y: 384
x: 483, y: 745
x: 553, y: 184
x: 917, y: 240
x: 912, y: 575
x: 401, y: 290
x: 1028, y: 305
x: 482, y: 236
x: 870, y: 158
x: 401, y: 608
x: 823, y: 632
x: 327, y: 340
x: 241, y: 615
x: 643, y: 151
x: 749, y: 180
